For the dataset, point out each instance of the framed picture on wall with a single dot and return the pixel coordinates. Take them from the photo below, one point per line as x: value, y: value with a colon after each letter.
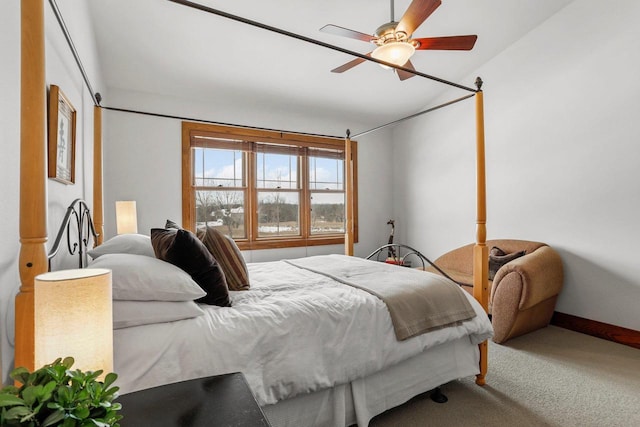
x: 62, y: 137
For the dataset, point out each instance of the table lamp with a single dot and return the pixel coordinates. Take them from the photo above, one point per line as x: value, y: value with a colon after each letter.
x: 126, y: 217
x: 73, y: 317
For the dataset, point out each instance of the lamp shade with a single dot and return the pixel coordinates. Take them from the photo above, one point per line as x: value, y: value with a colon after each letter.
x: 73, y: 317
x: 397, y: 53
x: 126, y: 217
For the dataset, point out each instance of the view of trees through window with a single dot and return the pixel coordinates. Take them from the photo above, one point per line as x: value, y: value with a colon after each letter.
x: 326, y: 185
x: 220, y: 200
x: 221, y: 178
x: 278, y: 191
x: 223, y: 210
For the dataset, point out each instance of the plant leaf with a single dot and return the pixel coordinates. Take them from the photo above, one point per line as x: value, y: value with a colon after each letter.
x: 54, y: 405
x: 68, y: 362
x: 81, y: 412
x: 10, y: 400
x: 109, y: 379
x: 18, y: 412
x: 10, y: 389
x: 93, y: 375
x: 53, y: 418
x: 112, y: 391
x: 31, y: 393
x: 47, y: 391
x: 64, y: 395
x: 20, y: 374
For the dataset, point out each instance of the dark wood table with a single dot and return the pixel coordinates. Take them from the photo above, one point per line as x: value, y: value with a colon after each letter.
x: 221, y: 400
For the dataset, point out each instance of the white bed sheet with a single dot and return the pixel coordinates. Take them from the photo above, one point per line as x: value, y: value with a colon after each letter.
x: 273, y: 334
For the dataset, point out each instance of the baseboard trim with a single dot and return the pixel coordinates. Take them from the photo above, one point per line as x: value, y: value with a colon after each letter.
x: 605, y: 331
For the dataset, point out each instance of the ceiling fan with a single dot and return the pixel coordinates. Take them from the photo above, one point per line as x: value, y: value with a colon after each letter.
x: 394, y: 42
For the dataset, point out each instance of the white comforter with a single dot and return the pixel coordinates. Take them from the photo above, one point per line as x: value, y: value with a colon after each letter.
x: 293, y: 332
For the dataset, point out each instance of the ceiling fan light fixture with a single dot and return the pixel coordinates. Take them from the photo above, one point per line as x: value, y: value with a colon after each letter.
x: 397, y: 53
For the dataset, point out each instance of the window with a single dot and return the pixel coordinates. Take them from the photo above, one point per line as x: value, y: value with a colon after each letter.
x: 265, y: 189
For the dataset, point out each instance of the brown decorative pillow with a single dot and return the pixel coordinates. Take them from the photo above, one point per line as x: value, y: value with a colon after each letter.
x: 498, y: 258
x: 183, y: 249
x: 226, y: 252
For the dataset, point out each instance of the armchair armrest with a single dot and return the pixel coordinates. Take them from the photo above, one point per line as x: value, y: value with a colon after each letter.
x: 541, y: 276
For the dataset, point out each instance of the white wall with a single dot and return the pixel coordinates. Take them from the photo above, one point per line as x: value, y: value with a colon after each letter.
x: 9, y: 172
x: 142, y: 162
x: 562, y: 128
x: 62, y: 71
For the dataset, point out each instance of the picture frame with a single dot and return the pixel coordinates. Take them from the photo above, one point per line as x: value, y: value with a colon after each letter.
x: 62, y: 137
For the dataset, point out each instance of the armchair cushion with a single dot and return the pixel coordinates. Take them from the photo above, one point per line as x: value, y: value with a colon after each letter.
x: 498, y: 258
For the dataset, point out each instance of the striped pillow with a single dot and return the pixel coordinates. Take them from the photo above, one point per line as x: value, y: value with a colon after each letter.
x: 226, y: 252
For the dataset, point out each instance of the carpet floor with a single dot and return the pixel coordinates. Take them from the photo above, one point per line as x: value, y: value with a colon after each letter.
x: 550, y: 377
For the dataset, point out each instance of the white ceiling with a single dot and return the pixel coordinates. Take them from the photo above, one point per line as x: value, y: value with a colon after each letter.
x: 161, y: 47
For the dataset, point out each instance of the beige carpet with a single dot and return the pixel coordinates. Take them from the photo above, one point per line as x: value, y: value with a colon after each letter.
x: 551, y: 377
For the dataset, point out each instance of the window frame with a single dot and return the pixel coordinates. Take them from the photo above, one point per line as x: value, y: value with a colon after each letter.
x: 192, y: 130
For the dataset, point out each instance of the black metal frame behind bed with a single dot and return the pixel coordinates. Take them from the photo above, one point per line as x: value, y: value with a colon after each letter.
x: 78, y: 214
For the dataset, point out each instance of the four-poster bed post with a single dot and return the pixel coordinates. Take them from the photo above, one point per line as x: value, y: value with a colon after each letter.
x: 33, y: 259
x: 98, y: 212
x: 33, y: 200
x: 33, y: 192
x: 480, y: 250
x: 348, y: 192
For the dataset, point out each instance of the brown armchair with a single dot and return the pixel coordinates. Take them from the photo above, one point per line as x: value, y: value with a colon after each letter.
x: 523, y: 292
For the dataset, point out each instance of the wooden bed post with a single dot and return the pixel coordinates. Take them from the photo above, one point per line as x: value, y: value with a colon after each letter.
x: 480, y: 250
x: 98, y: 212
x: 348, y: 192
x: 33, y: 175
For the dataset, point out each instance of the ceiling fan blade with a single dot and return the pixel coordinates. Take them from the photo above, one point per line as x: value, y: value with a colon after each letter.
x: 403, y: 75
x: 447, y: 43
x: 416, y: 13
x: 345, y: 32
x: 349, y: 65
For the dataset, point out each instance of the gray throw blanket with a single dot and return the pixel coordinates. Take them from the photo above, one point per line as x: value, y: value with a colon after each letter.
x: 418, y: 301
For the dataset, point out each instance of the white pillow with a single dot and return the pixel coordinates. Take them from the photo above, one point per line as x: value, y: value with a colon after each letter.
x: 138, y: 244
x: 136, y: 313
x: 142, y: 278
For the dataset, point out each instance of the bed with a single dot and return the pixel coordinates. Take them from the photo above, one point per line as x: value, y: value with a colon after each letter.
x: 368, y: 380
x: 317, y: 347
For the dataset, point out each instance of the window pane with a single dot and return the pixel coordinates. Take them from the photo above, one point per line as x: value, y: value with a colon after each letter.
x: 327, y: 213
x: 326, y: 174
x: 223, y: 209
x: 278, y: 214
x: 276, y: 171
x: 218, y: 168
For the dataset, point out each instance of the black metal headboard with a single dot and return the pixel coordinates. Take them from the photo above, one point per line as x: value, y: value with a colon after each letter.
x: 79, y: 243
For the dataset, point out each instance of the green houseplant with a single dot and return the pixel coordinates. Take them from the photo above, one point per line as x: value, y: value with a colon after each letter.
x: 55, y: 395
